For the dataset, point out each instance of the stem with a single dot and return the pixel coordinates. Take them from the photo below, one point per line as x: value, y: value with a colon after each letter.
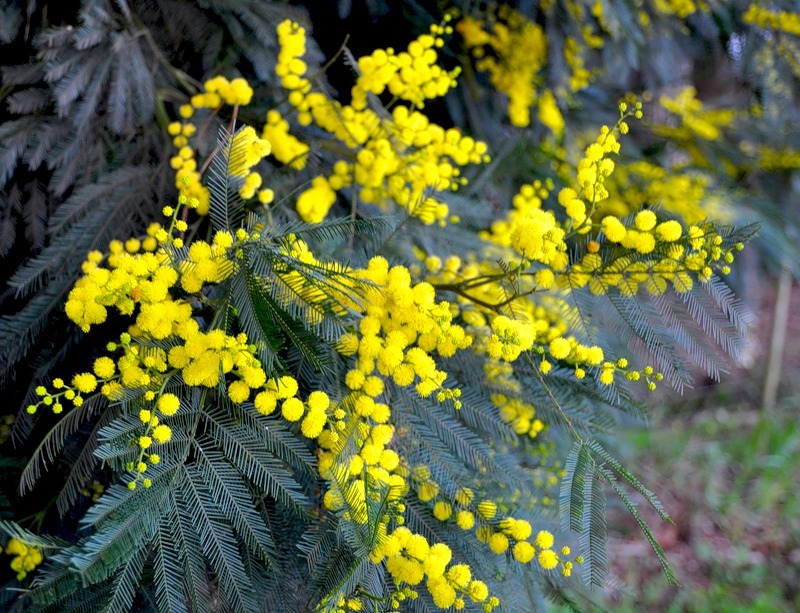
x: 778, y: 340
x: 555, y: 402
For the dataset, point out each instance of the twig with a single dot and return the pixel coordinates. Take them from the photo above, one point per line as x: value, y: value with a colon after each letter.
x: 778, y: 340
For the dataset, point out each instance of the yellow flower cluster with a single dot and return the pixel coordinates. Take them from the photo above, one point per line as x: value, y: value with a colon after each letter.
x: 681, y: 8
x: 26, y: 557
x: 290, y: 66
x: 286, y: 148
x: 412, y: 75
x: 510, y: 337
x: 410, y: 559
x: 187, y: 176
x: 315, y: 202
x: 395, y: 158
x: 782, y: 21
x: 695, y: 120
x: 453, y: 272
x: 521, y: 415
x: 531, y: 231
x: 573, y: 54
x: 680, y: 191
x: 777, y: 160
x: 247, y: 148
x: 500, y: 534
x: 5, y: 427
x: 397, y: 327
x: 340, y: 295
x: 347, y: 474
x: 144, y: 280
x: 401, y: 327
x: 94, y: 490
x: 535, y: 233
x: 512, y: 50
x: 538, y: 326
x: 679, y: 256
x: 314, y: 413
x: 219, y: 90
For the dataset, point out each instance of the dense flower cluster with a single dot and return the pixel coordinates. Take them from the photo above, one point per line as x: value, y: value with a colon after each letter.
x: 782, y: 21
x: 201, y: 358
x: 695, y: 120
x: 623, y: 253
x: 681, y: 8
x: 680, y: 191
x: 286, y: 148
x: 410, y: 559
x: 500, y: 534
x: 5, y: 427
x: 412, y: 75
x: 26, y: 557
x: 398, y: 156
x: 401, y: 327
x: 246, y: 150
x: 512, y: 50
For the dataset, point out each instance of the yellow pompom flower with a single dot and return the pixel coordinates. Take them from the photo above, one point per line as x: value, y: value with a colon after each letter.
x: 238, y: 391
x: 460, y: 575
x: 26, y: 559
x: 442, y: 510
x: 442, y: 592
x: 247, y: 149
x: 520, y: 530
x: 162, y: 433
x: 487, y: 509
x: 465, y: 520
x: 313, y: 423
x: 104, y: 367
x: 524, y: 552
x: 548, y: 559
x: 315, y: 202
x: 645, y: 220
x: 265, y: 402
x: 318, y: 401
x: 544, y: 539
x: 286, y: 387
x: 292, y: 409
x: 85, y: 382
x: 498, y: 543
x: 169, y: 404
x: 613, y: 229
x: 560, y: 348
x: 669, y: 231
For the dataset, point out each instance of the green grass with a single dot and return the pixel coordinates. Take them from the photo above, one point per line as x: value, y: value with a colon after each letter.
x: 730, y: 479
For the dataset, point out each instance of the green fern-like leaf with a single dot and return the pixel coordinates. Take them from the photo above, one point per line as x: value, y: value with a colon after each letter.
x: 218, y: 542
x: 126, y: 583
x: 234, y: 501
x: 169, y: 557
x: 629, y: 504
x: 633, y: 481
x: 226, y: 207
x: 594, y: 531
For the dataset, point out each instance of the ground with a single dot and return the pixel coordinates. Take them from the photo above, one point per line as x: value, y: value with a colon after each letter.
x: 729, y: 475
